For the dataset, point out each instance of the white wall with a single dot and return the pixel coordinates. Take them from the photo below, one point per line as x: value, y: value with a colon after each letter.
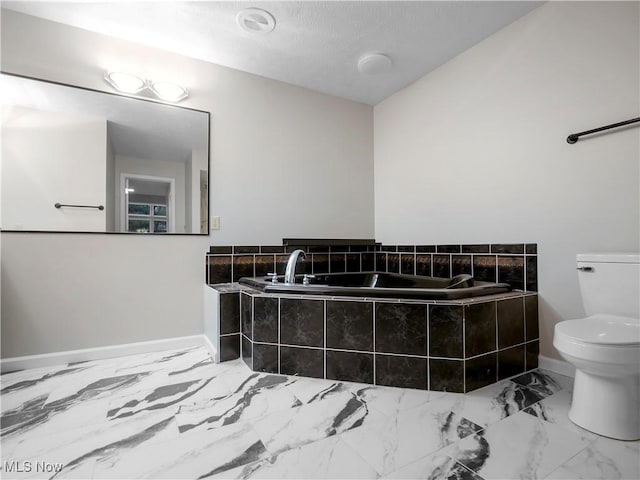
x: 285, y: 162
x: 110, y: 175
x: 156, y: 168
x: 48, y: 158
x: 475, y: 152
x: 188, y: 193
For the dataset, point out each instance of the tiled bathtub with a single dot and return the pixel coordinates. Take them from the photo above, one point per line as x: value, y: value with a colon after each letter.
x: 454, y: 346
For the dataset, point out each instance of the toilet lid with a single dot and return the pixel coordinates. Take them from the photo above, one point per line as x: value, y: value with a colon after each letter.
x: 603, y: 330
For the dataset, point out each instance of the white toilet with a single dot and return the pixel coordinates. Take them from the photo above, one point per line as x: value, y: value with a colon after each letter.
x: 605, y: 346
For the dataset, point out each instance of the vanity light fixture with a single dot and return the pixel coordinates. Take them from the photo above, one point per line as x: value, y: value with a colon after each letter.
x: 129, y: 83
x: 125, y: 82
x: 170, y: 92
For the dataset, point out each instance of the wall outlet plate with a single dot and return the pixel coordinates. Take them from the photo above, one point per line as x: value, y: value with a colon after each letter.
x: 215, y: 223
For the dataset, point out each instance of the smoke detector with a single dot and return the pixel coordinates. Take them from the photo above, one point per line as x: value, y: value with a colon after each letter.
x: 373, y: 63
x: 256, y: 21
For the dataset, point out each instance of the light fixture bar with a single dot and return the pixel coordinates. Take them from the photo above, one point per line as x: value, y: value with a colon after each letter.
x: 125, y: 82
x: 132, y: 84
x: 171, y: 92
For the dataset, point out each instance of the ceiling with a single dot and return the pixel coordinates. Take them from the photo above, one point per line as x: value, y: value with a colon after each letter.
x: 314, y: 44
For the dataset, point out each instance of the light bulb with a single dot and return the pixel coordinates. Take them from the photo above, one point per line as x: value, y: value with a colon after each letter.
x: 125, y: 82
x: 169, y: 91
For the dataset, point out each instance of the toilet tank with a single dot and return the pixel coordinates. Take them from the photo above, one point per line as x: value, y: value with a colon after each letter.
x: 610, y: 283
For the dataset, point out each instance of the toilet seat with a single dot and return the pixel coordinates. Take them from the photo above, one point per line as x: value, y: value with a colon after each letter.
x: 606, y: 339
x: 602, y: 329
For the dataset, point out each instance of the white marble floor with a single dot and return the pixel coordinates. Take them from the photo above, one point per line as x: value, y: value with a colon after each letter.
x: 178, y: 415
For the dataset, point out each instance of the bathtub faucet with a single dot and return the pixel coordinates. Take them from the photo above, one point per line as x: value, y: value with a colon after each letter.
x: 290, y: 272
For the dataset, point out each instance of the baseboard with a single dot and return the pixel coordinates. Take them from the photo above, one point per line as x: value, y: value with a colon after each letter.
x: 556, y: 366
x: 59, y: 358
x: 212, y: 350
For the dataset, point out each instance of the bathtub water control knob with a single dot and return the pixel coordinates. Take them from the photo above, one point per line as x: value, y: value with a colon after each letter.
x: 274, y: 277
x: 305, y: 279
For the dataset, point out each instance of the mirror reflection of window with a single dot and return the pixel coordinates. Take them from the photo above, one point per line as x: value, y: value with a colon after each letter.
x: 149, y: 203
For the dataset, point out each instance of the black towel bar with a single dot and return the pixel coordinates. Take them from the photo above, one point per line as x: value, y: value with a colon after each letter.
x: 60, y: 205
x: 573, y: 138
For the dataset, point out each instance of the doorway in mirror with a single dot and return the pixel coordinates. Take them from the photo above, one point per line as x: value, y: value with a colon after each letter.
x: 148, y: 204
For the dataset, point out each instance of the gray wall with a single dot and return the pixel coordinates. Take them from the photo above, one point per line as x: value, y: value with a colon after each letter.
x: 285, y: 162
x: 475, y: 152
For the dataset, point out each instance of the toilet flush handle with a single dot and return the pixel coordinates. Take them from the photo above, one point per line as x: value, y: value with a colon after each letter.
x: 585, y: 269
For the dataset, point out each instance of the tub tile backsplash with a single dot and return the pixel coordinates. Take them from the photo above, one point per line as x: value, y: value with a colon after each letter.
x: 484, y: 268
x: 515, y: 263
x: 511, y: 271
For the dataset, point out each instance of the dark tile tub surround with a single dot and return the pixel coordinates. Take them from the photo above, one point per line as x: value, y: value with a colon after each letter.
x: 513, y: 263
x: 455, y: 346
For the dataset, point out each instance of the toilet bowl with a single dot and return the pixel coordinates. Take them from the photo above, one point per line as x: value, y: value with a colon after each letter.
x: 605, y: 346
x: 605, y: 350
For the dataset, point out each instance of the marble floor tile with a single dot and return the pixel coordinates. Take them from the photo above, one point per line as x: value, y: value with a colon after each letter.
x: 390, y: 400
x: 543, y: 382
x: 437, y: 466
x: 409, y: 435
x: 195, y: 455
x: 603, y: 459
x: 77, y: 446
x: 336, y: 411
x: 243, y: 405
x: 161, y: 397
x: 487, y: 406
x: 328, y: 458
x: 521, y: 446
x: 24, y: 391
x: 555, y: 409
x: 176, y: 414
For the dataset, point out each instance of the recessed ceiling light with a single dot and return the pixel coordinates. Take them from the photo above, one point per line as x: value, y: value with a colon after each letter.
x: 125, y: 82
x: 170, y: 92
x: 373, y: 63
x: 256, y: 20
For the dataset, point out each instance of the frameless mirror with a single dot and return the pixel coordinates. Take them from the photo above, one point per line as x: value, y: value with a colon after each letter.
x: 80, y: 160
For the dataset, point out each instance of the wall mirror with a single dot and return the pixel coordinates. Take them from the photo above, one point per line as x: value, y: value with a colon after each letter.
x: 80, y: 160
